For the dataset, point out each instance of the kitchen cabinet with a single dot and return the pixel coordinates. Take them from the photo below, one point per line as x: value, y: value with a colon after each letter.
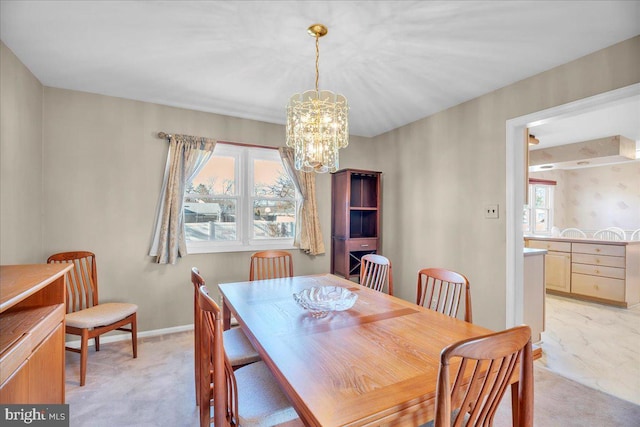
x: 601, y: 271
x: 557, y: 272
x: 32, y: 310
x: 534, y: 291
x: 355, y: 219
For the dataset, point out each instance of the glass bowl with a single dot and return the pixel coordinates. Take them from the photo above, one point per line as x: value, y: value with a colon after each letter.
x: 321, y: 300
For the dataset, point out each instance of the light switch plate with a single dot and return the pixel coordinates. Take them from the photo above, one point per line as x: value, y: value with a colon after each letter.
x: 491, y: 211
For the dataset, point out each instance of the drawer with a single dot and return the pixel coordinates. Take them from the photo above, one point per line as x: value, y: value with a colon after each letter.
x: 550, y: 245
x: 598, y: 270
x: 14, y: 356
x: 362, y: 245
x: 609, y: 261
x: 595, y: 249
x: 596, y: 286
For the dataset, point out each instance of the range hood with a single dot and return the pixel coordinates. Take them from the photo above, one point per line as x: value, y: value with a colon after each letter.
x: 597, y: 152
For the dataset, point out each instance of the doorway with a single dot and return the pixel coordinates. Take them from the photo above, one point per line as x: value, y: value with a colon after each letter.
x: 515, y: 170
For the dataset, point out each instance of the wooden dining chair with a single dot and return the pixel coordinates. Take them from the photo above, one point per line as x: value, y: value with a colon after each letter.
x: 248, y: 396
x: 492, y: 359
x: 271, y: 264
x: 441, y: 290
x: 376, y: 273
x: 238, y: 346
x: 87, y: 317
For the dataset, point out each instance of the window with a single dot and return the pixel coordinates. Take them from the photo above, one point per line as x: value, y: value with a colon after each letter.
x: 537, y: 217
x: 243, y: 199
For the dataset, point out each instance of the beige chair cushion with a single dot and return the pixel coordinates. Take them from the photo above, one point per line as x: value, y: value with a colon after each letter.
x: 238, y: 348
x: 260, y: 400
x: 100, y: 315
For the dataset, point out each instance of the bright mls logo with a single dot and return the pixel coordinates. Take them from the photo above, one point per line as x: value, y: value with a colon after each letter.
x: 35, y: 415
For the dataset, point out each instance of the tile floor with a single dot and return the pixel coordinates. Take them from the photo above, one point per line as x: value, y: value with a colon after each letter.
x: 594, y: 344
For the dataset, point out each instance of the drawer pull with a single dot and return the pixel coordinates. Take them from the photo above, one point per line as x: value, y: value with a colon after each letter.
x: 596, y: 287
x: 597, y: 271
x: 597, y: 249
x: 364, y: 246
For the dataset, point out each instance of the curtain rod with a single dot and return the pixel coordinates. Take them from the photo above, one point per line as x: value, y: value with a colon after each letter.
x: 167, y: 136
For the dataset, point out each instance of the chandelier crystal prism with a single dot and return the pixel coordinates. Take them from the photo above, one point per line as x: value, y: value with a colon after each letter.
x: 317, y: 122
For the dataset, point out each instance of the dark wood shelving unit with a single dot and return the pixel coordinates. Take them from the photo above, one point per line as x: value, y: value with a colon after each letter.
x: 355, y: 219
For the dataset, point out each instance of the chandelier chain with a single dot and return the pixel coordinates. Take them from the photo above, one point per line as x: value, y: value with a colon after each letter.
x: 317, y: 60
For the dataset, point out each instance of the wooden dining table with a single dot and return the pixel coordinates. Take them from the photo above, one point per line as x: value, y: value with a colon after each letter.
x: 373, y: 364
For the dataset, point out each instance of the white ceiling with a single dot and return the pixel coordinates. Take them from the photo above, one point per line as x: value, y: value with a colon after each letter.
x: 396, y: 62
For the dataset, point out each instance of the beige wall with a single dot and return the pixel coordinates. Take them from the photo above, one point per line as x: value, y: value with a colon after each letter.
x: 440, y: 172
x: 21, y: 204
x: 597, y: 197
x: 103, y: 167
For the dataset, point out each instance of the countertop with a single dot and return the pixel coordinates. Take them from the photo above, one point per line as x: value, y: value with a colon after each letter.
x: 533, y: 251
x: 581, y: 240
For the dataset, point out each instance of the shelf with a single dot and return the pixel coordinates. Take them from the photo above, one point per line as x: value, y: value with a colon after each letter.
x: 355, y: 218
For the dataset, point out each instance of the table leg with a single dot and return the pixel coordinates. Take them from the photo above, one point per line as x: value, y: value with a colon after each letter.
x: 226, y: 316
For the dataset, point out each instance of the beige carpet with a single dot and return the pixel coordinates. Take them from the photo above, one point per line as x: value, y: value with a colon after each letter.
x: 157, y: 390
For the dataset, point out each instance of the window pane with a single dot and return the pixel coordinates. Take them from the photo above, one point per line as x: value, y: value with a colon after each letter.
x: 210, y: 219
x: 271, y: 180
x: 542, y: 220
x: 217, y: 177
x: 541, y: 197
x: 273, y: 218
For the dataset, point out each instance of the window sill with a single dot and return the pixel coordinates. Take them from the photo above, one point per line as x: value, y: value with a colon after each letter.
x: 207, y: 248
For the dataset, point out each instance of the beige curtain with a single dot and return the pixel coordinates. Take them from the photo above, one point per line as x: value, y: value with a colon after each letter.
x: 308, y: 234
x: 187, y: 156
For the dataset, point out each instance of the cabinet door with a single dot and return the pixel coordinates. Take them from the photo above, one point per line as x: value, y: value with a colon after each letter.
x: 46, y: 369
x: 16, y: 388
x: 557, y: 273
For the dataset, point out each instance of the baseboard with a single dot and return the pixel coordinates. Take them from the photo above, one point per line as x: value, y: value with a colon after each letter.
x: 126, y: 336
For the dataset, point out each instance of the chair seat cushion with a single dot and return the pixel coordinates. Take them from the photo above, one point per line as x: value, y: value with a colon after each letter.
x: 238, y: 347
x: 100, y: 315
x: 260, y: 400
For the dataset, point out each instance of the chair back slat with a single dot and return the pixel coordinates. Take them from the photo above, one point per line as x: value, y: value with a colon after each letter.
x: 441, y: 290
x: 376, y: 273
x: 492, y: 360
x: 270, y: 264
x: 82, y: 280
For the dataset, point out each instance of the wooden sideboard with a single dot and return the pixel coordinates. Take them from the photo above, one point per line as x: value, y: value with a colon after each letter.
x: 596, y: 270
x: 32, y: 310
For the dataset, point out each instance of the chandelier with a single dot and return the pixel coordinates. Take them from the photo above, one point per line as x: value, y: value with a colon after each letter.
x: 317, y: 122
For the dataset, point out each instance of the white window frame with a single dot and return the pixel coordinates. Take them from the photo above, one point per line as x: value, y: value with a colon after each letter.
x: 531, y: 207
x: 243, y: 175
